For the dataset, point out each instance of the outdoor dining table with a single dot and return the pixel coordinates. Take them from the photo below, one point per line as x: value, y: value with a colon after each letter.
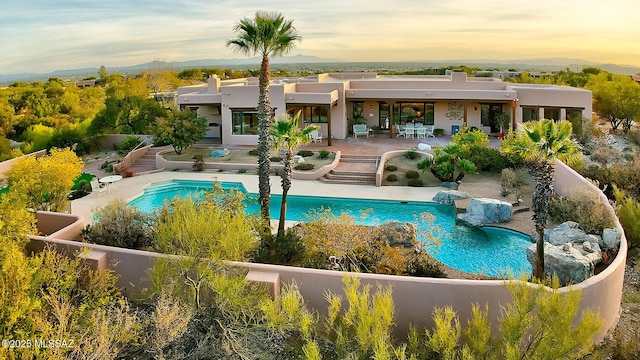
x: 108, y: 180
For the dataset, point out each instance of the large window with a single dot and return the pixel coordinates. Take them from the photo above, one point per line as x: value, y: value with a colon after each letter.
x: 530, y: 113
x: 244, y: 122
x: 488, y: 114
x: 574, y: 114
x: 310, y: 113
x: 385, y: 115
x: 414, y: 113
x: 552, y: 114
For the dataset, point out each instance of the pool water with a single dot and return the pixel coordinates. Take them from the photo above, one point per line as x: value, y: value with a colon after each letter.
x: 489, y: 251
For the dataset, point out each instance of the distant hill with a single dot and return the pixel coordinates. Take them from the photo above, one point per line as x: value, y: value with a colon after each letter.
x: 311, y: 63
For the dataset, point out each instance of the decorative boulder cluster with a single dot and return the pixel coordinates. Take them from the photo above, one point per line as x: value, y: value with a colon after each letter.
x: 397, y: 233
x: 572, y: 254
x: 484, y: 211
x: 448, y: 197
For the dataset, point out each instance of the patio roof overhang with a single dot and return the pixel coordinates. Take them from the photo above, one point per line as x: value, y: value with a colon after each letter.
x: 431, y: 94
x: 199, y: 98
x: 312, y: 98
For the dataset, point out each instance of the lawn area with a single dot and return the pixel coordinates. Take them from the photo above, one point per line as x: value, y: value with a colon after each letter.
x: 239, y: 156
x: 84, y: 177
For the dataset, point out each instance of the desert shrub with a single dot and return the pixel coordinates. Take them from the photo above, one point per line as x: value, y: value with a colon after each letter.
x: 423, y: 265
x: 324, y: 154
x: 168, y: 321
x: 412, y: 174
x: 467, y: 138
x: 513, y: 181
x: 281, y: 249
x: 392, y: 177
x: 254, y: 152
x: 242, y: 171
x: 198, y: 163
x: 275, y: 159
x: 583, y: 207
x: 438, y: 132
x: 415, y: 183
x: 605, y: 154
x: 129, y: 143
x: 634, y: 136
x: 304, y: 166
x: 487, y: 158
x: 119, y: 224
x: 391, y: 168
x: 411, y: 154
x: 305, y: 153
x: 628, y: 210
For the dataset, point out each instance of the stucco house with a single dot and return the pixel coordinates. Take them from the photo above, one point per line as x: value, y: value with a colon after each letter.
x: 334, y: 101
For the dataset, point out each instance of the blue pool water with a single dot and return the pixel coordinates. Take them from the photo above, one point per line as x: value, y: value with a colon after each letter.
x: 490, y: 251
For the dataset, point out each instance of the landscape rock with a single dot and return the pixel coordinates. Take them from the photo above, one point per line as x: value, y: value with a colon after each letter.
x: 565, y: 261
x: 483, y: 211
x: 397, y: 233
x: 568, y: 232
x: 611, y: 238
x: 448, y: 197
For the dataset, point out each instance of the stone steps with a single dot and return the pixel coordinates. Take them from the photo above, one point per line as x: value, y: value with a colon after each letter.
x: 354, y: 173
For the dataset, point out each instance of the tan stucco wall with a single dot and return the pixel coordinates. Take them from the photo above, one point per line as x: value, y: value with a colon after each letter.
x: 7, y: 164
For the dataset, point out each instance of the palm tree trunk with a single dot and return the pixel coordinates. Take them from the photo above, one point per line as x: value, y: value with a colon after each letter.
x: 265, y: 114
x: 542, y: 173
x: 286, y: 185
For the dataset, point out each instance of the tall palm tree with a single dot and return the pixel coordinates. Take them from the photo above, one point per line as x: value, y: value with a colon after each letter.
x: 287, y: 136
x: 269, y: 33
x: 540, y: 143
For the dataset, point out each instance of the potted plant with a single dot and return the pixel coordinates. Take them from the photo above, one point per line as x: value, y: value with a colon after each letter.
x: 502, y: 121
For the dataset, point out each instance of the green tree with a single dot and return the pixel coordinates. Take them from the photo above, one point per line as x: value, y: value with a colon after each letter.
x: 616, y: 98
x: 181, y: 129
x: 46, y: 181
x: 268, y: 34
x: 447, y: 161
x: 287, y: 136
x: 540, y: 143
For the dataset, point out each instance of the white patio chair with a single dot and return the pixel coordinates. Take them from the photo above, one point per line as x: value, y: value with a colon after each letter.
x: 315, y: 136
x: 95, y: 186
x: 409, y: 131
x: 421, y: 132
x: 429, y: 130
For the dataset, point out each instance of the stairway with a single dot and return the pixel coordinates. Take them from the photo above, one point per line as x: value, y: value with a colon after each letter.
x: 354, y: 169
x: 147, y: 163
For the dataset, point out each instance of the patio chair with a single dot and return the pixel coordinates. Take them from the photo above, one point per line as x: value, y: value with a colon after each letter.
x: 96, y: 186
x: 315, y: 136
x: 409, y: 131
x: 430, y: 129
x: 421, y: 132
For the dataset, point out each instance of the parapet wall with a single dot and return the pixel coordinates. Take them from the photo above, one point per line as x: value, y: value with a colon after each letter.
x: 414, y: 297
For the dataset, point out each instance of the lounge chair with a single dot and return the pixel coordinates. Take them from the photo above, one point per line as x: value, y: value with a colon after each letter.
x: 315, y: 136
x: 360, y: 129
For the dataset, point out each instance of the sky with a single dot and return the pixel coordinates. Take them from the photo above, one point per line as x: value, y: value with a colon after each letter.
x: 46, y: 35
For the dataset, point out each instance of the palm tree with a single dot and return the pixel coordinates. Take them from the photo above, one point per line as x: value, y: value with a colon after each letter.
x: 540, y: 143
x: 269, y: 33
x: 446, y: 162
x: 287, y: 136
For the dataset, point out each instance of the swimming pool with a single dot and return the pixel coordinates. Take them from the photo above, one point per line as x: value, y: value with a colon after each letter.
x: 490, y: 251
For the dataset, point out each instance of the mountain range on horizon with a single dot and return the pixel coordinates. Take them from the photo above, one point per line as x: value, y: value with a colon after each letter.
x: 535, y: 64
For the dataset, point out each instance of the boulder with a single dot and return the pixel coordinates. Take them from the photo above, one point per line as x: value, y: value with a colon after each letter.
x: 569, y: 233
x: 483, y: 211
x: 611, y: 238
x: 397, y: 233
x: 447, y: 197
x: 565, y: 261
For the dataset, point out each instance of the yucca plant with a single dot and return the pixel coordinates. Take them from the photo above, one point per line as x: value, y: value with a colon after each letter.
x: 448, y: 165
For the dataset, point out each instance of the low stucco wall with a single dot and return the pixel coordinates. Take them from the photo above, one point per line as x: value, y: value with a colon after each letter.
x: 162, y: 163
x: 59, y: 225
x: 414, y: 297
x: 390, y: 155
x: 6, y: 165
x: 111, y: 141
x: 132, y: 157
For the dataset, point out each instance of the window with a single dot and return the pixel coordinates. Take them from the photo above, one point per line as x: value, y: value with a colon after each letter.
x: 414, y: 113
x: 488, y: 114
x: 385, y: 115
x: 552, y: 114
x: 358, y: 110
x: 310, y: 113
x: 574, y: 114
x: 244, y: 122
x: 530, y: 113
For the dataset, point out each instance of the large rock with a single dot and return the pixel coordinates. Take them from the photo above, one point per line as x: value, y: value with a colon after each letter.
x: 396, y: 233
x: 483, y: 211
x: 569, y: 233
x: 611, y: 238
x: 565, y: 261
x: 448, y: 197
